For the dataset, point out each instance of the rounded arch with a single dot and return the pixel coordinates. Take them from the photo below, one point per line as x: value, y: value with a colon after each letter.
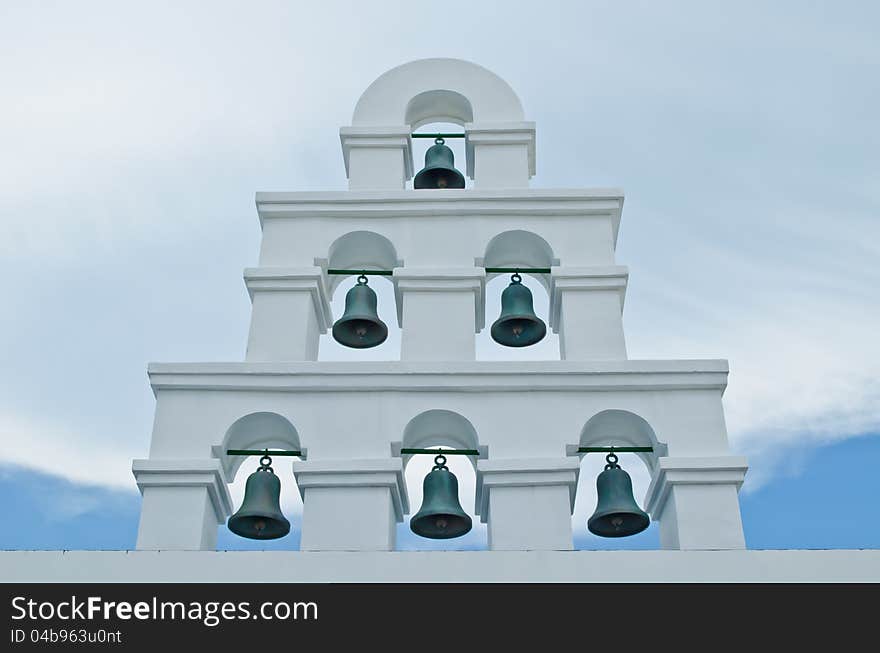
x: 262, y: 430
x: 438, y: 106
x: 439, y: 427
x: 519, y: 248
x: 615, y: 427
x: 365, y: 250
x: 446, y: 428
x: 429, y: 90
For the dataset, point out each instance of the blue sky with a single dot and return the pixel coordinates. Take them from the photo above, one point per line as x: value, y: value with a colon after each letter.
x: 745, y: 136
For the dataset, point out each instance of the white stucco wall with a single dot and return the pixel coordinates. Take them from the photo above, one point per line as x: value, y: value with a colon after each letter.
x: 442, y: 566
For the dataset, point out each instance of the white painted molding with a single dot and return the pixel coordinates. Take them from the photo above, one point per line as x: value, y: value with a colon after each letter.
x: 207, y: 473
x: 532, y: 203
x: 464, y: 376
x: 355, y: 474
x: 737, y: 566
x: 525, y: 472
x: 311, y: 280
x: 506, y: 133
x: 609, y: 277
x: 442, y: 280
x: 390, y: 137
x: 721, y: 470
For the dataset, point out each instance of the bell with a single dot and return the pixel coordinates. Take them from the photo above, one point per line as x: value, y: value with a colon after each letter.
x: 439, y: 170
x: 360, y: 326
x: 260, y: 517
x: 440, y: 516
x: 517, y: 326
x: 617, y: 513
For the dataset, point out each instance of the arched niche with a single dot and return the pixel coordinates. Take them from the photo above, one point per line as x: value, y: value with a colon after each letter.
x: 359, y: 250
x: 432, y: 90
x: 622, y: 428
x: 443, y: 428
x: 446, y: 429
x: 499, y: 146
x: 438, y: 106
x: 519, y: 248
x: 261, y: 430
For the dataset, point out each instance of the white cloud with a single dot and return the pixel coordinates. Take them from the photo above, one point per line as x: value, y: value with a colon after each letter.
x: 55, y: 449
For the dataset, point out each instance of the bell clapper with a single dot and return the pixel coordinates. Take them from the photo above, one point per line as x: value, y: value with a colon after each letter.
x: 611, y: 463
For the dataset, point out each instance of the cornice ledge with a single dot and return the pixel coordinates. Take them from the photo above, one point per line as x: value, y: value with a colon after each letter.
x: 704, y: 470
x: 207, y: 473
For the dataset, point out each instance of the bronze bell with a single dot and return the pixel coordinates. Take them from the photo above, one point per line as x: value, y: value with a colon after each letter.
x: 440, y: 516
x: 517, y: 326
x: 439, y: 170
x: 617, y: 513
x: 260, y: 516
x: 360, y: 326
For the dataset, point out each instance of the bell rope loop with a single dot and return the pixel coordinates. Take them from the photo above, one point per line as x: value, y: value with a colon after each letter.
x: 611, y: 461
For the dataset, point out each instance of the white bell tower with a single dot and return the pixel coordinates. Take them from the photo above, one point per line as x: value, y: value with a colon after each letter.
x: 351, y: 419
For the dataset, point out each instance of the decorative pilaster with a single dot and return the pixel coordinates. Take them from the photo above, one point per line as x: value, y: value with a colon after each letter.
x: 439, y: 311
x: 695, y: 500
x: 500, y: 155
x: 351, y: 505
x: 586, y: 310
x: 377, y: 158
x: 527, y: 503
x: 183, y: 503
x: 290, y: 311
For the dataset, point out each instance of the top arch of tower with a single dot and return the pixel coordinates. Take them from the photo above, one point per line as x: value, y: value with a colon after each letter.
x: 437, y: 90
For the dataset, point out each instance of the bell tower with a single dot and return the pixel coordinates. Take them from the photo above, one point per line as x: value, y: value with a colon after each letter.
x: 355, y: 424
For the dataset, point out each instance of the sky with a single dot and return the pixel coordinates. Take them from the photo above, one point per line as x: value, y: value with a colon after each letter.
x: 745, y: 136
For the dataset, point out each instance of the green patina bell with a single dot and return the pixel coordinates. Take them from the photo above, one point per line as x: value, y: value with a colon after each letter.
x: 440, y: 516
x: 517, y: 326
x: 617, y: 513
x: 439, y: 170
x: 260, y: 516
x: 360, y: 326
